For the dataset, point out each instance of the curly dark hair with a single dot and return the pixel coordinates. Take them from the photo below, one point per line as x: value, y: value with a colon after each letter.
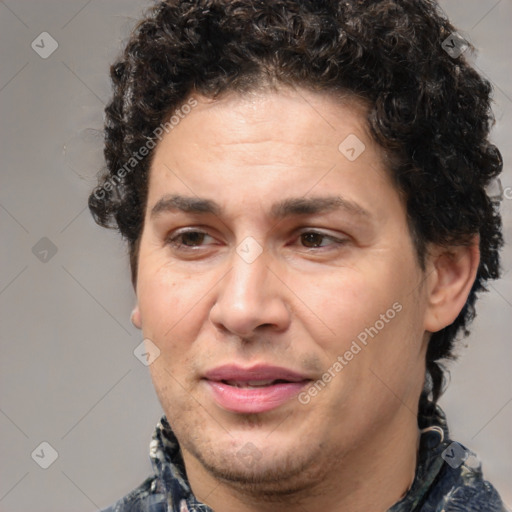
x: 428, y: 109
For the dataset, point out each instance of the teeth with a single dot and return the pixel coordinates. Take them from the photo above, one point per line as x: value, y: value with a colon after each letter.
x: 250, y: 383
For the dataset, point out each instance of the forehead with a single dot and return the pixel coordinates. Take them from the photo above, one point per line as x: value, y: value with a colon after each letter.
x: 279, y: 115
x: 267, y: 142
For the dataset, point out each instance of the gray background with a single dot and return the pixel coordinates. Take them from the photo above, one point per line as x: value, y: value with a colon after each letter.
x: 68, y: 375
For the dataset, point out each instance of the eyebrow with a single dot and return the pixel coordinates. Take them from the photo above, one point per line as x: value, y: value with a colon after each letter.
x: 315, y: 205
x: 282, y: 209
x: 185, y: 204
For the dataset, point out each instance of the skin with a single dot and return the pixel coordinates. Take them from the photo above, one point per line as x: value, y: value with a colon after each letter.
x: 300, y: 304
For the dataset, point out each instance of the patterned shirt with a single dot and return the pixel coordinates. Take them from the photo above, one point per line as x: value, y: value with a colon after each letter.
x: 448, y: 479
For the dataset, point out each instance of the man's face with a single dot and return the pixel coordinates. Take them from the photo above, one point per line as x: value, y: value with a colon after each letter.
x: 288, y: 309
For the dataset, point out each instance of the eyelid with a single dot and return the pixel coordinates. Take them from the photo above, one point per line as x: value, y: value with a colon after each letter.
x: 175, y: 234
x: 171, y: 238
x: 330, y: 236
x: 188, y: 229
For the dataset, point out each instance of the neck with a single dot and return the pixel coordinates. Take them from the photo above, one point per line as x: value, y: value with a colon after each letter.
x: 372, y: 476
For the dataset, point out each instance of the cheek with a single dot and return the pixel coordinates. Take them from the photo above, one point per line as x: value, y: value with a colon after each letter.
x: 358, y: 302
x: 163, y: 302
x: 346, y: 304
x: 172, y: 389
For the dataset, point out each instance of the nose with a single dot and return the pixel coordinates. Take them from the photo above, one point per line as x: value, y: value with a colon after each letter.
x: 251, y: 298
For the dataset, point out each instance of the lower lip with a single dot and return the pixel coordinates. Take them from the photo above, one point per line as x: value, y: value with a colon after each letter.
x: 254, y: 400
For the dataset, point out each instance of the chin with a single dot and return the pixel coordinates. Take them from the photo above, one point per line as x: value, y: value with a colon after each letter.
x: 277, y: 470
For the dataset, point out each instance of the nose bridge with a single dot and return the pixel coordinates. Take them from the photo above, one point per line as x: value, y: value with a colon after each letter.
x: 248, y: 279
x: 250, y: 295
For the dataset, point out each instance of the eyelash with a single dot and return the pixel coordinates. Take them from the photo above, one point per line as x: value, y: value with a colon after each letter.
x: 173, y: 240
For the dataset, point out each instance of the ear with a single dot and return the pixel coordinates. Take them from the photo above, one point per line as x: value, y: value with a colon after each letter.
x: 136, y: 318
x: 451, y: 272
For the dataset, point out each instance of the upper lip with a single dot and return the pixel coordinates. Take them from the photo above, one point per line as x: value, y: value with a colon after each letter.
x: 262, y: 372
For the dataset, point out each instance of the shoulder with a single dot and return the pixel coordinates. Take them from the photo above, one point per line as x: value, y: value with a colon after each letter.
x: 144, y: 498
x: 481, y: 497
x: 463, y: 490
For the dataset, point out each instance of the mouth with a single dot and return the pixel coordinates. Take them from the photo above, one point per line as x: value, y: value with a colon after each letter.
x: 254, y: 384
x: 253, y: 390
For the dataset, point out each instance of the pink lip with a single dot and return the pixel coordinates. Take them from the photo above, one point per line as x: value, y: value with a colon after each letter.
x: 253, y: 400
x: 257, y: 372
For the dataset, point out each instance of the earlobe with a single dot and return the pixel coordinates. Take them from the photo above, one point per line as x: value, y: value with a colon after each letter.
x: 136, y: 318
x: 452, y: 274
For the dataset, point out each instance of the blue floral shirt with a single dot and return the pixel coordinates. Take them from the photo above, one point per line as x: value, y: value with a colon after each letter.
x: 448, y: 479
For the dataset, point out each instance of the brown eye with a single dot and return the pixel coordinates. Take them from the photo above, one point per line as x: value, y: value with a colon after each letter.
x: 312, y: 239
x: 192, y: 238
x: 321, y: 241
x: 188, y: 239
